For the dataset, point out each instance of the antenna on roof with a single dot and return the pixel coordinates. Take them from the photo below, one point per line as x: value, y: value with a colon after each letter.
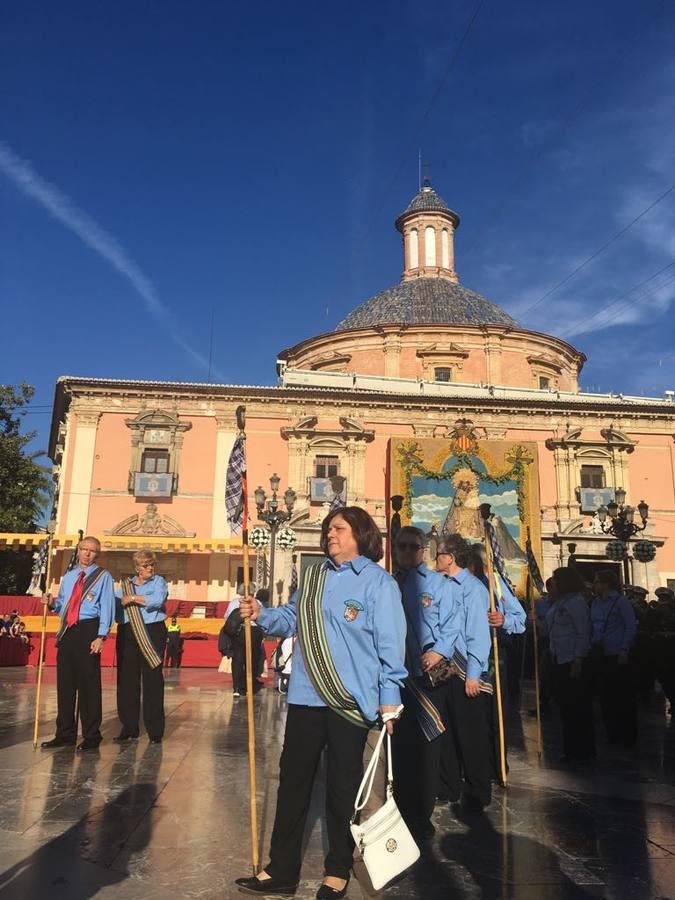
x: 210, y: 345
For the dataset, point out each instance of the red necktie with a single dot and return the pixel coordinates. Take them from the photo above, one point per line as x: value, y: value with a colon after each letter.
x: 75, y: 602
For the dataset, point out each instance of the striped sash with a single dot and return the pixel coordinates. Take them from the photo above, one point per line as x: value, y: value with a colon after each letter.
x: 428, y: 717
x: 458, y: 662
x: 316, y: 652
x: 139, y: 629
x: 92, y: 579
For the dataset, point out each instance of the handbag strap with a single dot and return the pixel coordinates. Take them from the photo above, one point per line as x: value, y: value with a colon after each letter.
x: 366, y: 786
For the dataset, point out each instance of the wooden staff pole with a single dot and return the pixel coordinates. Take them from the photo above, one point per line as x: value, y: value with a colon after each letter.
x: 485, y: 513
x: 255, y: 862
x: 535, y: 650
x: 43, y: 633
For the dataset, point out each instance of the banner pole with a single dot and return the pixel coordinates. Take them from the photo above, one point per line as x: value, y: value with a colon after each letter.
x: 255, y: 862
x: 43, y: 633
x: 485, y: 513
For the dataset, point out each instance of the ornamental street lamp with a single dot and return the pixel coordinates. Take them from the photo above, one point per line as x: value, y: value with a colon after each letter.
x: 618, y: 519
x: 270, y: 513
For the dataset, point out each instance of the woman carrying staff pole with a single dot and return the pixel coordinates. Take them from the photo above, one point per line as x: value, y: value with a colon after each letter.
x: 350, y: 628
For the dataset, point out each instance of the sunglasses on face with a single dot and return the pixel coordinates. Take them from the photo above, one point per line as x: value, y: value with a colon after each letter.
x: 406, y: 546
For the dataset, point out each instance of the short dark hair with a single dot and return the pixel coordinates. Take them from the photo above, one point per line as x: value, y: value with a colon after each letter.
x: 366, y: 533
x: 412, y: 531
x: 263, y: 595
x: 455, y: 544
x: 608, y: 578
x: 568, y: 581
x: 550, y: 587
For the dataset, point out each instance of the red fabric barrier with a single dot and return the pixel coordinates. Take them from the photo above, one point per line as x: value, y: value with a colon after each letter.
x: 13, y: 652
x: 26, y: 606
x: 31, y: 606
x: 196, y: 653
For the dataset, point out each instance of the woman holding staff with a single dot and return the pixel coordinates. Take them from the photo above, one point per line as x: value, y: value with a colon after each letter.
x: 350, y: 628
x: 141, y: 639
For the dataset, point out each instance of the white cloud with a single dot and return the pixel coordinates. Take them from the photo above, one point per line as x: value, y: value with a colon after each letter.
x: 508, y: 498
x: 62, y: 208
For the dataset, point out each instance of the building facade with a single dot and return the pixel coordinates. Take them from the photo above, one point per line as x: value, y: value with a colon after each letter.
x: 143, y: 463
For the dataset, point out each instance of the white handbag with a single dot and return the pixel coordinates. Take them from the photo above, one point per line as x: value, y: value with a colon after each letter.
x: 384, y: 841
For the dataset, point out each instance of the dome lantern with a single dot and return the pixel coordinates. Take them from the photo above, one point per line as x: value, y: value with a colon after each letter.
x: 428, y: 229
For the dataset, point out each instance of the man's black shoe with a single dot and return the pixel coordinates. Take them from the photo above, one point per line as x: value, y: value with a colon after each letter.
x: 470, y: 805
x: 253, y: 885
x: 88, y: 745
x: 56, y: 742
x: 330, y: 893
x: 123, y: 738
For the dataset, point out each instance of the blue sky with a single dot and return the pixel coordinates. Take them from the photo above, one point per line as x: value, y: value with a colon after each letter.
x: 163, y: 161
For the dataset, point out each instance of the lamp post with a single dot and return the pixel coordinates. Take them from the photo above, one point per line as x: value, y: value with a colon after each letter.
x: 618, y: 519
x: 273, y: 516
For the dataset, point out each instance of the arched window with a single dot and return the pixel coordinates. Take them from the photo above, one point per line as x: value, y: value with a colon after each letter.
x: 413, y: 250
x: 430, y: 246
x: 445, y: 249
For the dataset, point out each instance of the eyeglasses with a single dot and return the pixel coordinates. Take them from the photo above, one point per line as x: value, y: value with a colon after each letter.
x: 405, y: 546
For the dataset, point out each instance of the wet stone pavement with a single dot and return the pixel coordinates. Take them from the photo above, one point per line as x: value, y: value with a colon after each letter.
x: 171, y: 820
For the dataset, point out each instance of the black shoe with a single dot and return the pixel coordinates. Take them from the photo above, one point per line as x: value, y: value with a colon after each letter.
x: 88, y: 744
x: 155, y: 740
x: 328, y: 893
x: 253, y: 885
x: 471, y: 805
x: 123, y: 738
x: 56, y: 742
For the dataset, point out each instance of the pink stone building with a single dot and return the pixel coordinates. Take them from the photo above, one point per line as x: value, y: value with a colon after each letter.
x: 143, y: 463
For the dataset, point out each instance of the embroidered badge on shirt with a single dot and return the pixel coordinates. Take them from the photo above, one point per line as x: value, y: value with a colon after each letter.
x: 426, y: 600
x: 352, y: 609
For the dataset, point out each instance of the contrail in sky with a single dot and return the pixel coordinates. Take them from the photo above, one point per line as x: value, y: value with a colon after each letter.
x: 94, y: 236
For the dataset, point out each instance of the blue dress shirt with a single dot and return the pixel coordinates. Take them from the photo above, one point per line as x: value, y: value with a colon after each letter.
x: 430, y: 612
x: 98, y: 603
x: 473, y: 632
x: 613, y: 623
x: 515, y: 616
x: 368, y: 649
x: 154, y: 591
x: 569, y: 628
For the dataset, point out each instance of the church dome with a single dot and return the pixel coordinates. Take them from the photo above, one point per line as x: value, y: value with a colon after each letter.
x: 424, y: 301
x: 429, y: 292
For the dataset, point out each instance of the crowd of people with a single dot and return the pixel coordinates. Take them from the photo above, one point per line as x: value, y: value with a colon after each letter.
x: 11, y: 626
x: 423, y: 649
x: 597, y: 640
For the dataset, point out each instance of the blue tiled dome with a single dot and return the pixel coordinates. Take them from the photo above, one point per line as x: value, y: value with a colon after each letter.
x: 426, y: 301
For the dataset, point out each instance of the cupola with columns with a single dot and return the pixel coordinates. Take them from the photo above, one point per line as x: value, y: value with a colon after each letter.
x: 428, y: 229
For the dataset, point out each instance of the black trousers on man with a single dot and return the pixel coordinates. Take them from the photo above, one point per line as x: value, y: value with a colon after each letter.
x: 574, y: 698
x: 466, y: 747
x: 239, y: 659
x: 173, y: 650
x: 132, y: 672
x: 310, y: 729
x: 618, y: 701
x: 417, y: 761
x: 78, y: 672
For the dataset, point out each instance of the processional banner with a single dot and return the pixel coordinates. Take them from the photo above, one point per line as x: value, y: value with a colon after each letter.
x: 440, y: 484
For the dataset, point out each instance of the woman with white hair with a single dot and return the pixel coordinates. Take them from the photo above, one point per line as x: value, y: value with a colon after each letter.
x: 141, y: 639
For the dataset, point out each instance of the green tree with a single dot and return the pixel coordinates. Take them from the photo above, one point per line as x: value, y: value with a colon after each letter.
x: 24, y: 483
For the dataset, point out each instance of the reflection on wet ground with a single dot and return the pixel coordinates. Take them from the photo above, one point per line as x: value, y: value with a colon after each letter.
x: 161, y: 821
